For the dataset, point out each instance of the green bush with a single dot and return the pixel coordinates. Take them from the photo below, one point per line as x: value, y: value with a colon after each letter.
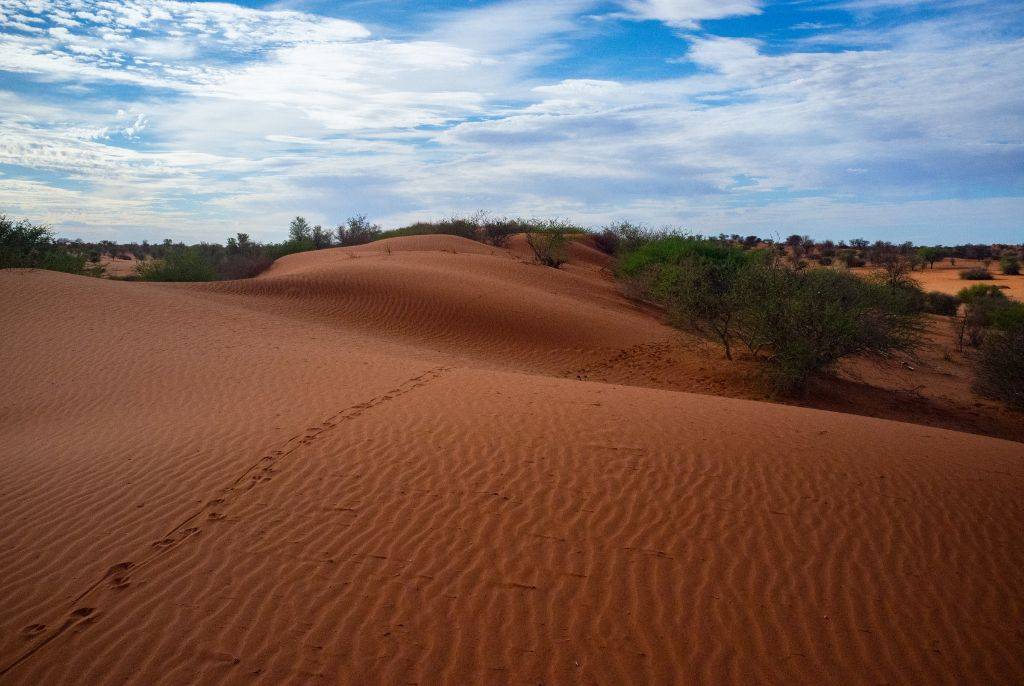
x: 277, y: 250
x: 27, y: 245
x: 698, y: 280
x: 798, y: 322
x: 936, y: 302
x: 357, y: 231
x: 184, y: 264
x: 976, y: 274
x: 809, y: 320
x: 1000, y: 370
x: 549, y: 247
x: 453, y: 226
x: 973, y: 293
x: 1010, y: 264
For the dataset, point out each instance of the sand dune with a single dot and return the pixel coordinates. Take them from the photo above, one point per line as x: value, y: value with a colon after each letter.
x: 362, y: 467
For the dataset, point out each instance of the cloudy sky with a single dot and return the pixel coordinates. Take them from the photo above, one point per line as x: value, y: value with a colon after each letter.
x: 899, y: 119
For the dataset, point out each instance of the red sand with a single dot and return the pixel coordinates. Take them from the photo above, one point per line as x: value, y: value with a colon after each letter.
x: 364, y: 467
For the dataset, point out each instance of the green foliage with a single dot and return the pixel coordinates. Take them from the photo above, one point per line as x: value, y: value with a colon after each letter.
x: 300, y: 231
x: 798, y: 322
x: 549, y: 247
x: 277, y: 250
x: 976, y: 274
x: 811, y: 319
x: 453, y: 226
x: 929, y: 255
x: 357, y: 231
x: 1010, y: 264
x: 23, y: 244
x: 1007, y: 315
x: 623, y: 237
x: 185, y: 264
x: 937, y: 302
x: 1000, y: 370
x: 700, y: 281
x: 973, y: 293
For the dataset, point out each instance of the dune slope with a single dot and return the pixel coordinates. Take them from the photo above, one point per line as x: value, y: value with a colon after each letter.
x: 301, y: 478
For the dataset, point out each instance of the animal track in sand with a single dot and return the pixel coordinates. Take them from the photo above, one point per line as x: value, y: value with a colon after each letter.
x: 118, y: 576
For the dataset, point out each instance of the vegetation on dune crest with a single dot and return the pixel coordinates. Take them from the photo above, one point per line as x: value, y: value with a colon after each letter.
x: 27, y: 245
x: 797, y: 322
x: 793, y: 305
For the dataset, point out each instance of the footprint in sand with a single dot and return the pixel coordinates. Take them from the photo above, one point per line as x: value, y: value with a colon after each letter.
x: 33, y: 630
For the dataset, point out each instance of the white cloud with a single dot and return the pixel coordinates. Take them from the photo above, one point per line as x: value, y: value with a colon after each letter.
x: 688, y: 13
x: 240, y: 117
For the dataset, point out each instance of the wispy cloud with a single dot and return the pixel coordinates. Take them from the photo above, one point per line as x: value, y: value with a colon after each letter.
x: 135, y: 118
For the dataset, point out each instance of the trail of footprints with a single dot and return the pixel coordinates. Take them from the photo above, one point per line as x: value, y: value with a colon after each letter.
x: 118, y: 576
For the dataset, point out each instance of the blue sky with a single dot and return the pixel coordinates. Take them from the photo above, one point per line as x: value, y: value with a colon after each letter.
x: 892, y: 119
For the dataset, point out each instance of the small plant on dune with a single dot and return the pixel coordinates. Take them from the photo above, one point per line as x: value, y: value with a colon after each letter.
x: 622, y: 237
x: 357, y: 230
x: 1010, y: 264
x: 466, y: 227
x: 549, y: 247
x: 976, y: 274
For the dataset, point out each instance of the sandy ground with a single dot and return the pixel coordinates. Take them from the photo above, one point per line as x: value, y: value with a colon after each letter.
x: 386, y: 466
x: 945, y: 278
x: 117, y: 267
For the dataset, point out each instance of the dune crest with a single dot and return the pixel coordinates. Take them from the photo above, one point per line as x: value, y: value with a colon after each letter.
x: 364, y: 467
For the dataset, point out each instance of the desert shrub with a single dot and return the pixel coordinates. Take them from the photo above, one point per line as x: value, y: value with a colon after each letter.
x: 243, y: 266
x: 851, y: 259
x: 357, y: 231
x: 498, y: 233
x: 798, y: 323
x: 453, y: 226
x: 1010, y: 264
x: 936, y: 302
x: 184, y: 264
x: 1007, y: 315
x: 549, y: 247
x: 278, y: 250
x: 979, y: 291
x: 809, y: 320
x: 1000, y: 369
x: 24, y: 244
x: 976, y: 274
x: 607, y: 241
x: 698, y: 280
x: 626, y: 237
x: 825, y: 261
x: 987, y: 307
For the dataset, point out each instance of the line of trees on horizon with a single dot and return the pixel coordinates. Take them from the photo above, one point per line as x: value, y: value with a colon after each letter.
x: 782, y: 301
x: 25, y: 244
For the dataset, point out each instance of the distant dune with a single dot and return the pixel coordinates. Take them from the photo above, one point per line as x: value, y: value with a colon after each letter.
x: 426, y: 460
